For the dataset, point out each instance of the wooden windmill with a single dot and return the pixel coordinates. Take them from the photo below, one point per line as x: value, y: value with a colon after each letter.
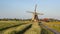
x: 35, y: 14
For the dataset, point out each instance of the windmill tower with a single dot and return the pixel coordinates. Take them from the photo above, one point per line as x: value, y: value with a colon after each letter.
x: 35, y: 14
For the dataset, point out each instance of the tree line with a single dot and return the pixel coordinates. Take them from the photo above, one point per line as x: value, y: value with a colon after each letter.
x: 14, y: 19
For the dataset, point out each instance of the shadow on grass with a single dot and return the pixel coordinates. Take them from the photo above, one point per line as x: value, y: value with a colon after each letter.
x: 22, y: 32
x: 47, y: 30
x: 12, y: 26
x: 44, y: 31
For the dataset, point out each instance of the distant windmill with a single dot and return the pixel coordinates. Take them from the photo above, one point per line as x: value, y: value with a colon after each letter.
x: 35, y: 14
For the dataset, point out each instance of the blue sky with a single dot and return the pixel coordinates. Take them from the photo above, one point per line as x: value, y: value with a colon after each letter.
x: 18, y: 8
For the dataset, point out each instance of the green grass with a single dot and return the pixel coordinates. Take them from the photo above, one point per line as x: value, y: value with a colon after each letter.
x: 53, y: 25
x: 45, y: 31
x: 24, y: 27
x: 35, y: 29
x: 5, y: 24
x: 15, y: 30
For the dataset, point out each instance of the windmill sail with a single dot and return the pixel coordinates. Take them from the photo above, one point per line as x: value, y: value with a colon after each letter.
x: 35, y: 7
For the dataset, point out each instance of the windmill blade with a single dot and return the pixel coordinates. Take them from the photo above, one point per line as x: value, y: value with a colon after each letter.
x: 40, y: 13
x: 29, y: 12
x: 35, y: 7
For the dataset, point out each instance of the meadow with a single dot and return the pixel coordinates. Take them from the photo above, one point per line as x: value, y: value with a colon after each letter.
x: 27, y: 27
x: 53, y: 25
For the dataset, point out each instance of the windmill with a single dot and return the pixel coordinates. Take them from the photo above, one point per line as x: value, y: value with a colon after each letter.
x: 35, y: 14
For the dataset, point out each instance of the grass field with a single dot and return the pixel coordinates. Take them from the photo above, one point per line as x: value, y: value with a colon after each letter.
x: 53, y: 25
x: 27, y: 27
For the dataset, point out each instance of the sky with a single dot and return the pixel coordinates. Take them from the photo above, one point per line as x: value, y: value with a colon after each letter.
x: 18, y: 8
